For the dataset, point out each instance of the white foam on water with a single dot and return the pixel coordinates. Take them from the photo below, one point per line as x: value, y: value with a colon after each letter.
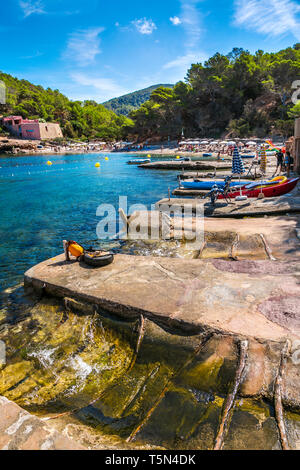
x: 82, y: 369
x: 44, y: 356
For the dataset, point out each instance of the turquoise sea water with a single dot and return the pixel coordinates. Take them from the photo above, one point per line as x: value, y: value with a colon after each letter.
x: 41, y: 205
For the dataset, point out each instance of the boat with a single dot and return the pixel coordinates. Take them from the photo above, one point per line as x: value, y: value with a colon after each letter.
x: 264, y: 183
x: 138, y: 161
x: 207, y: 185
x: 247, y: 156
x: 184, y: 159
x: 277, y: 189
x: 207, y: 155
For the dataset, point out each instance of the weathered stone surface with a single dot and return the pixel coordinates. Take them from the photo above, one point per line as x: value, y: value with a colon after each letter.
x: 251, y: 207
x: 19, y: 430
x: 191, y: 295
x: 193, y: 166
x: 279, y: 241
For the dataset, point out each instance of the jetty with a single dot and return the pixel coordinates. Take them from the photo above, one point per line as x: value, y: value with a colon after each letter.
x: 182, y: 165
x: 250, y: 208
x: 209, y: 175
x: 191, y: 296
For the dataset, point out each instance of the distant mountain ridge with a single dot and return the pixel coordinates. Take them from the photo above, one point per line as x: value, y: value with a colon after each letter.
x: 123, y: 105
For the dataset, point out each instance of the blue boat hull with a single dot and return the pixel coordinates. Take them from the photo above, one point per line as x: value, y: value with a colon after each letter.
x: 207, y: 185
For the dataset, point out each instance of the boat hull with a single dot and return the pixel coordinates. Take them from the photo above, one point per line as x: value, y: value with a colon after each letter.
x: 268, y: 191
x: 207, y: 185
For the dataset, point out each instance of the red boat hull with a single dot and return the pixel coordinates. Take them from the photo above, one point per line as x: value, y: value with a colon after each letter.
x: 268, y: 191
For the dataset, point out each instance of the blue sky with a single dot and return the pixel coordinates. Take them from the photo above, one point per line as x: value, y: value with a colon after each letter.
x: 99, y: 49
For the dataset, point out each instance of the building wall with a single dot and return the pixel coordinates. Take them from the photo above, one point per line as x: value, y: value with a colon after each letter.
x: 31, y: 129
x: 50, y: 131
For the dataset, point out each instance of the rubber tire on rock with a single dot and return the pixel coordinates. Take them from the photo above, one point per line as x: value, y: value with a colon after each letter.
x: 98, y: 261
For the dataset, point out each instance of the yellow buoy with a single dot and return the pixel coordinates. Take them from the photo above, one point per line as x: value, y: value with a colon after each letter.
x: 49, y: 163
x: 149, y: 156
x: 177, y: 157
x: 106, y: 158
x: 97, y: 165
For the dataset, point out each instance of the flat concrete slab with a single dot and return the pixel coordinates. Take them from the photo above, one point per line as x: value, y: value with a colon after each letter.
x: 250, y: 207
x: 19, y: 430
x: 209, y: 175
x: 191, y: 296
x: 274, y: 238
x: 193, y: 166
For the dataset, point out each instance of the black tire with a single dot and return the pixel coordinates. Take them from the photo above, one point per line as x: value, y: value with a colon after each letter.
x: 98, y: 261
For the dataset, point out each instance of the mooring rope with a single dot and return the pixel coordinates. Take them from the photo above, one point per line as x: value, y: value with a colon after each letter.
x: 279, y: 412
x: 139, y: 342
x: 234, y: 247
x: 149, y: 413
x: 223, y: 428
x: 267, y: 248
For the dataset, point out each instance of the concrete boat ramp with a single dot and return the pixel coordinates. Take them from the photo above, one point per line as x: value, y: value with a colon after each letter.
x: 182, y: 165
x: 251, y: 207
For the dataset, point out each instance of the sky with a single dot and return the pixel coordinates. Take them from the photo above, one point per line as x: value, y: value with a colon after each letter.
x: 101, y: 49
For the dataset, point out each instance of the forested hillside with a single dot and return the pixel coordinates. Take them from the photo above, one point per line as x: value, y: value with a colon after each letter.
x: 78, y: 119
x: 239, y: 94
x: 127, y: 103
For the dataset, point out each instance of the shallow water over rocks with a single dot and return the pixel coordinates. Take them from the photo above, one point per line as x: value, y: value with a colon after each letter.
x: 102, y: 386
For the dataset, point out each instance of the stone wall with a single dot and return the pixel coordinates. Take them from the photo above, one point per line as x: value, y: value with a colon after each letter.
x: 50, y: 131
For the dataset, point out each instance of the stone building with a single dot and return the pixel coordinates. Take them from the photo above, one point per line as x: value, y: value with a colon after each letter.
x: 31, y: 129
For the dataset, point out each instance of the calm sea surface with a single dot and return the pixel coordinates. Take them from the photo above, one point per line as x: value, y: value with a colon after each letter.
x: 41, y: 205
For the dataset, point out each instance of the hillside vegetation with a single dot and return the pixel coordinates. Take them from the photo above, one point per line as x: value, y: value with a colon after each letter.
x: 127, y: 103
x: 78, y: 119
x: 239, y: 94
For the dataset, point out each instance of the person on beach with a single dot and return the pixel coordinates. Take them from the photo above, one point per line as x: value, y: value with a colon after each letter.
x: 288, y: 162
x: 279, y: 156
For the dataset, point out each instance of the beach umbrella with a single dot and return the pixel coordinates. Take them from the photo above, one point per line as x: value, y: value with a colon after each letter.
x: 237, y: 163
x: 215, y: 142
x: 263, y: 159
x: 251, y: 143
x: 204, y: 142
x: 238, y: 169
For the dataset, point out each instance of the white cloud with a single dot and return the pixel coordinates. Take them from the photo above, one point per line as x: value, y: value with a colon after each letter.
x: 270, y: 17
x: 144, y: 26
x: 31, y: 7
x: 175, y: 20
x: 101, y: 88
x: 183, y: 62
x: 83, y: 46
x: 191, y: 20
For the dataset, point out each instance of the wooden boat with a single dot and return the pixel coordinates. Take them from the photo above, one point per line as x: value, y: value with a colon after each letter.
x: 274, y: 190
x: 138, y: 161
x: 207, y: 185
